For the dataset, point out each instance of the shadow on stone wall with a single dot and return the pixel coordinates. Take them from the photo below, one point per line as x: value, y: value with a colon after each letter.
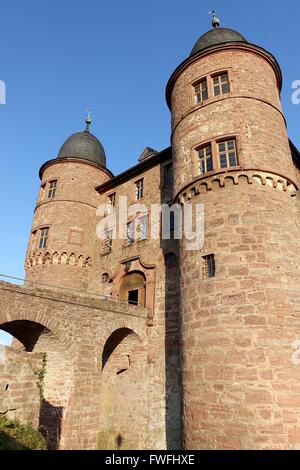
x: 50, y: 420
x: 173, y: 358
x: 172, y: 333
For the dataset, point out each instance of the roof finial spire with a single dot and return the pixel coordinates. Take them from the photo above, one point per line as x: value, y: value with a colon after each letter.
x: 88, y: 120
x: 215, y: 20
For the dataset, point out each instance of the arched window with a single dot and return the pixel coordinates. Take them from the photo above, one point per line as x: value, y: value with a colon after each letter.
x: 133, y: 288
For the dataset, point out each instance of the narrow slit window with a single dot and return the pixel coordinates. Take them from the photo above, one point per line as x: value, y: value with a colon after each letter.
x: 227, y: 153
x: 205, y: 159
x: 208, y: 267
x: 111, y: 200
x: 221, y: 84
x: 168, y: 175
x: 201, y: 91
x: 172, y: 222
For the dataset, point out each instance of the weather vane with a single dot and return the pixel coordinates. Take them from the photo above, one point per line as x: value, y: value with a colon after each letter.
x: 88, y: 120
x: 215, y: 20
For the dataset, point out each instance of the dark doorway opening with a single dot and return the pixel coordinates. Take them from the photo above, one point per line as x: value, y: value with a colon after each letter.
x: 133, y: 297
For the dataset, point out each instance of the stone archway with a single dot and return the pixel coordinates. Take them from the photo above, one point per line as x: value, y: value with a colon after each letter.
x: 26, y: 332
x: 124, y: 392
x: 71, y: 329
x: 38, y: 377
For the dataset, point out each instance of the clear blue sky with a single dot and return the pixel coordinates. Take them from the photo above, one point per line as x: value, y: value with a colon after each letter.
x: 59, y: 57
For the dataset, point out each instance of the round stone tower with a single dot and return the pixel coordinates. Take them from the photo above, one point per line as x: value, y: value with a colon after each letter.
x: 61, y: 248
x: 240, y: 298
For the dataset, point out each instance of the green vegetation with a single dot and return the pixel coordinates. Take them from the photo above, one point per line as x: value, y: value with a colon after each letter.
x: 40, y: 375
x: 17, y: 436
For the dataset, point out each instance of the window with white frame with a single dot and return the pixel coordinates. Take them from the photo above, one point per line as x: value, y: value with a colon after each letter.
x: 44, y: 234
x: 205, y: 159
x: 201, y: 91
x: 139, y: 189
x: 216, y: 155
x: 227, y: 153
x: 52, y: 189
x: 221, y: 84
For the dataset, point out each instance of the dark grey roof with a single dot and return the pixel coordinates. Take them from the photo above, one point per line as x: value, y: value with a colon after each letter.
x: 217, y: 36
x: 85, y: 146
x: 147, y: 152
x: 156, y: 159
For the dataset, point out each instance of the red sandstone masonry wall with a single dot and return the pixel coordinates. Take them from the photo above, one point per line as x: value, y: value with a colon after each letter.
x: 19, y: 394
x: 240, y: 385
x: 251, y: 111
x: 163, y: 336
x: 71, y: 216
x: 75, y: 330
x: 79, y: 266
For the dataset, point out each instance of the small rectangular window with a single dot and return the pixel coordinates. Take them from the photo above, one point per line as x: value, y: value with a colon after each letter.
x: 208, y: 266
x: 201, y: 91
x: 133, y: 297
x: 139, y: 189
x: 168, y: 175
x: 130, y: 232
x: 227, y: 153
x: 111, y: 201
x: 44, y: 233
x: 52, y: 189
x: 205, y: 159
x: 221, y: 84
x: 143, y: 227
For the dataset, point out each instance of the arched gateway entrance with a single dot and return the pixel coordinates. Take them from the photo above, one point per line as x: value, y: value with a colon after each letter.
x: 124, y: 392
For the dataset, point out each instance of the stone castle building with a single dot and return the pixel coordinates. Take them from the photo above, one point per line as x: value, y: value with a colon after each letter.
x: 142, y: 343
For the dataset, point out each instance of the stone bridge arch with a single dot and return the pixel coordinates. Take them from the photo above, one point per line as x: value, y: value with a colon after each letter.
x: 72, y: 329
x: 128, y: 323
x: 39, y: 341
